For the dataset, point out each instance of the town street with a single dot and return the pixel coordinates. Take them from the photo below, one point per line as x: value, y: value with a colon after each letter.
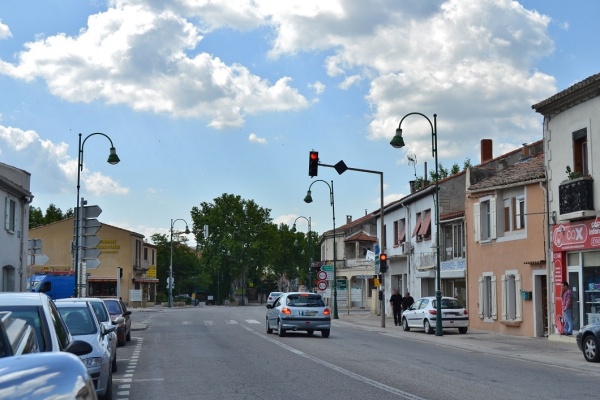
x: 225, y: 353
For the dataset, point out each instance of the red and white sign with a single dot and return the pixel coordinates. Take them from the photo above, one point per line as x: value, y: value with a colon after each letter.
x: 322, y: 285
x: 322, y: 275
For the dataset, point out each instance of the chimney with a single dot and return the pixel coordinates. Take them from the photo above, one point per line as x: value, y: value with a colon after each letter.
x: 486, y: 150
x: 525, y: 150
x: 348, y: 219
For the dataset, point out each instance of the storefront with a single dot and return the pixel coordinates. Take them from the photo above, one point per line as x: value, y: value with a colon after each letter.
x: 576, y: 259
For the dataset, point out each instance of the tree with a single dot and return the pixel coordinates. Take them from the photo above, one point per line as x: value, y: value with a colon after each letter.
x: 53, y: 214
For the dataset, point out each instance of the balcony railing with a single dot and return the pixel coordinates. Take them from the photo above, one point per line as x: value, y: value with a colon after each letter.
x: 576, y: 195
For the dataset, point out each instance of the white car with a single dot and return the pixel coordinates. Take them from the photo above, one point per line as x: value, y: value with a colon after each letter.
x: 83, y: 324
x: 104, y: 317
x: 40, y: 312
x: 272, y: 297
x: 422, y: 315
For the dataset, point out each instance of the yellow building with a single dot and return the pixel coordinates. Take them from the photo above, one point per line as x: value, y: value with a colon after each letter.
x: 127, y: 265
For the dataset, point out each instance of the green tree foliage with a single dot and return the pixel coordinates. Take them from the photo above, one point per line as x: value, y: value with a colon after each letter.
x: 52, y: 214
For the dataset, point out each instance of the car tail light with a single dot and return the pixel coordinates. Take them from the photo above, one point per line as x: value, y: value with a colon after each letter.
x: 286, y: 310
x: 433, y: 312
x: 326, y: 311
x: 466, y: 312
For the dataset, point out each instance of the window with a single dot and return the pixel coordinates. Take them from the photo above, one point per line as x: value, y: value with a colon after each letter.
x: 10, y: 212
x: 453, y: 241
x: 519, y: 212
x: 399, y: 232
x: 396, y: 237
x: 512, y: 305
x: 418, y: 221
x: 425, y: 230
x: 487, y: 306
x: 580, y: 153
x: 484, y: 219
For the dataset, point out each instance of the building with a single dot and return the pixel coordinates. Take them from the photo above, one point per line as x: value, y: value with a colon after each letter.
x: 571, y: 118
x: 506, y: 220
x: 127, y: 264
x: 15, y: 197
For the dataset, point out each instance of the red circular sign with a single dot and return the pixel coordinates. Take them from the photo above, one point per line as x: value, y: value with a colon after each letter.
x: 322, y: 275
x: 322, y: 285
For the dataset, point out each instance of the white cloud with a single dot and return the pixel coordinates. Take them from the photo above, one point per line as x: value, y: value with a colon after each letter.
x: 255, y: 139
x: 350, y: 81
x: 4, y: 31
x: 318, y: 87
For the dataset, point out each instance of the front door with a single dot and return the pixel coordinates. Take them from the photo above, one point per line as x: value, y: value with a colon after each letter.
x: 574, y: 284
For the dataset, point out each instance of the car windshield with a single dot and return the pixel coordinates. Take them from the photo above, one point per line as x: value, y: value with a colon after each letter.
x: 32, y: 316
x: 449, y: 304
x: 305, y: 300
x: 78, y: 319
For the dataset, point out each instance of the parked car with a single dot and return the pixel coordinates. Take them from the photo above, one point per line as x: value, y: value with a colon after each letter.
x: 117, y: 310
x: 16, y: 336
x: 46, y: 376
x: 299, y: 311
x: 104, y: 318
x: 272, y: 297
x: 588, y: 341
x: 422, y: 315
x: 83, y: 324
x: 40, y: 312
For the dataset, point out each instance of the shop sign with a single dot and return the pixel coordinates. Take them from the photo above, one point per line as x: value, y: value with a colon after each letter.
x: 577, y: 235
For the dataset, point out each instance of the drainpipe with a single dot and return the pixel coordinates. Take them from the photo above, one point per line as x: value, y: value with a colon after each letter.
x: 549, y: 263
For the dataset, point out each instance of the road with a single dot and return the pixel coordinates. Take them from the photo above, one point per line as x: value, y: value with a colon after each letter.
x: 225, y: 353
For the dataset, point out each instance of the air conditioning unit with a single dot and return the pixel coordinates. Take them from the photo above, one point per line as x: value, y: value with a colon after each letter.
x: 406, y: 248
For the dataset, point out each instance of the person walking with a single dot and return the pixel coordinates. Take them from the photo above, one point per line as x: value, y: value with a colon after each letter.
x: 567, y: 305
x: 396, y: 303
x: 407, y: 301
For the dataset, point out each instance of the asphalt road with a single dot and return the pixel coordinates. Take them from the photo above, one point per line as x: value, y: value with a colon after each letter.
x: 225, y: 353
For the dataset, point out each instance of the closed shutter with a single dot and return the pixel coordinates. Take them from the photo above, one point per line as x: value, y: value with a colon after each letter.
x: 504, y: 315
x: 493, y: 218
x: 481, y: 300
x: 519, y: 300
x: 476, y: 222
x: 494, y: 301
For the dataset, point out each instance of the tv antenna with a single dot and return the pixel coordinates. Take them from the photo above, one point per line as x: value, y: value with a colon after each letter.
x: 412, y: 160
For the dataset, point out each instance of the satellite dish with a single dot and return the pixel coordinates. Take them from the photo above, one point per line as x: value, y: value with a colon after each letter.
x: 412, y: 160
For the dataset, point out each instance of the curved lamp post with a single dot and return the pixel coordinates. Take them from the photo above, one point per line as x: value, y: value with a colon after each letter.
x: 112, y: 160
x: 308, y: 199
x: 398, y: 142
x: 187, y: 230
x: 309, y: 248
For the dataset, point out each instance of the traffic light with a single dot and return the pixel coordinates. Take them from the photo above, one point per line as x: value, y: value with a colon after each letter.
x: 383, y: 267
x: 120, y: 272
x: 313, y: 163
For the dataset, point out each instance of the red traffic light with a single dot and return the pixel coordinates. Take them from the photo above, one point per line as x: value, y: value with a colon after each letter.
x: 313, y: 163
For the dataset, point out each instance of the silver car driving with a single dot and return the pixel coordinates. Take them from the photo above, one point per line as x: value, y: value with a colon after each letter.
x: 299, y: 311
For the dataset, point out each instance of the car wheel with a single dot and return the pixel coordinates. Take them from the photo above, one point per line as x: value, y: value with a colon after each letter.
x: 590, y: 349
x: 269, y: 330
x: 280, y: 330
x: 325, y: 333
x: 128, y: 337
x: 113, y: 367
x: 405, y: 326
x: 108, y: 395
x: 427, y: 327
x: 309, y: 333
x: 462, y: 330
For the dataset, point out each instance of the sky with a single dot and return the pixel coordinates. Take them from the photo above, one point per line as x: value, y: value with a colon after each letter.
x: 202, y: 98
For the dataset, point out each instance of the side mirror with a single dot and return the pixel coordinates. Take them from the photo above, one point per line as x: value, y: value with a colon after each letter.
x: 107, y: 329
x: 79, y: 348
x: 269, y: 306
x: 127, y: 313
x: 118, y: 321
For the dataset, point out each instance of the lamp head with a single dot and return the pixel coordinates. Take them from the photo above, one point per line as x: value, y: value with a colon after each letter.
x: 113, y: 158
x: 187, y: 230
x: 397, y: 141
x: 308, y: 198
x: 294, y: 227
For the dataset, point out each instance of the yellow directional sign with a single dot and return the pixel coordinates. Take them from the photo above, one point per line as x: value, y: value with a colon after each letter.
x: 151, y: 273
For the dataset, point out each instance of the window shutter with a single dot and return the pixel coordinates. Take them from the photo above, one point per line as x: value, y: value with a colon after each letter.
x: 494, y: 301
x: 476, y: 222
x: 519, y: 301
x: 481, y: 297
x: 6, y: 213
x: 493, y: 218
x: 504, y: 315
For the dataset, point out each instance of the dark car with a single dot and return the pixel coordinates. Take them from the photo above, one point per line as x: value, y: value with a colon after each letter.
x: 588, y: 339
x: 120, y: 317
x: 41, y: 376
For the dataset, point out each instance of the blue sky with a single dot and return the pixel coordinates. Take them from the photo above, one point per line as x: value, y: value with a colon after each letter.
x: 204, y: 98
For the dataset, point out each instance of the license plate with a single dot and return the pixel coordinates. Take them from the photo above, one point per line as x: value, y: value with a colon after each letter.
x: 308, y: 313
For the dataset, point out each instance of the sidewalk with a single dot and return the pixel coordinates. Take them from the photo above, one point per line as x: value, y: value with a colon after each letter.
x: 558, y: 350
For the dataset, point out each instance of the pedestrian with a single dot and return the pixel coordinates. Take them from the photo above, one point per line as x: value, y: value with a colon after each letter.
x: 407, y: 301
x: 567, y: 305
x: 396, y: 303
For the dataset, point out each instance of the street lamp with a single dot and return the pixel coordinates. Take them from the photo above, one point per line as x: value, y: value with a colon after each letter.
x: 308, y: 199
x: 309, y: 248
x: 398, y: 142
x: 112, y: 160
x: 187, y: 231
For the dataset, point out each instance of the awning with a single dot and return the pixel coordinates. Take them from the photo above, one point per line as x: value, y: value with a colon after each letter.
x: 101, y: 279
x: 425, y: 267
x: 425, y: 224
x: 145, y: 280
x: 416, y: 230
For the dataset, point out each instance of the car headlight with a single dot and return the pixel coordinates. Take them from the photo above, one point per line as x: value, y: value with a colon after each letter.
x: 92, y: 362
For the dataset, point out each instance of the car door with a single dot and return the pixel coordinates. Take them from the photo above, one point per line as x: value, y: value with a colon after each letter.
x: 273, y: 313
x: 410, y: 314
